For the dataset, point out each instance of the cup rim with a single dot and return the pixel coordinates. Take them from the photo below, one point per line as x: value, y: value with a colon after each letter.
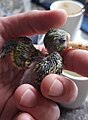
x: 66, y: 1
x: 73, y: 77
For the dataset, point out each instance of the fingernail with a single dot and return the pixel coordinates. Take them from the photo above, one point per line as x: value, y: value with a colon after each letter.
x: 56, y: 88
x: 28, y: 99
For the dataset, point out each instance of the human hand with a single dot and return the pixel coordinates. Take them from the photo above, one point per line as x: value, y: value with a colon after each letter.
x: 76, y: 60
x: 10, y: 77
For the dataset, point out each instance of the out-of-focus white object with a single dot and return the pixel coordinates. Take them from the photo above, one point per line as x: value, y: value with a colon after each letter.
x: 82, y: 83
x: 27, y: 5
x: 74, y: 12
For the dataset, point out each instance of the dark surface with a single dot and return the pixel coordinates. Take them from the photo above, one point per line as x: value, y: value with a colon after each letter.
x: 75, y: 114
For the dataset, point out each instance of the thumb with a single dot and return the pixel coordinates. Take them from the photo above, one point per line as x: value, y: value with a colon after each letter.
x: 59, y: 89
x: 29, y: 100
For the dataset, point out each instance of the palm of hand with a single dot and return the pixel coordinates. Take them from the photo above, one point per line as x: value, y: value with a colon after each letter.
x: 9, y: 80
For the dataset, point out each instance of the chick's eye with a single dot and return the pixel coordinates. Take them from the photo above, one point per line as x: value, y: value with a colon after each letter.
x: 62, y: 41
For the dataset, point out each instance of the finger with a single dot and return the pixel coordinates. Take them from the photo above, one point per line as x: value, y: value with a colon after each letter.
x: 9, y: 110
x: 24, y: 116
x: 76, y: 61
x: 29, y: 100
x: 59, y: 89
x: 34, y: 22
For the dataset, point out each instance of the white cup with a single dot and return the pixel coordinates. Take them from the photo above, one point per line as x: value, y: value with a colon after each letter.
x: 74, y: 11
x: 82, y: 83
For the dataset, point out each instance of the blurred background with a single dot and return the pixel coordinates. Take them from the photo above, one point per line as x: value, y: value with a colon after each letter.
x: 9, y: 7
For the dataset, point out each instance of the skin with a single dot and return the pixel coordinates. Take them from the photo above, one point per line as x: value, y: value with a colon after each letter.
x: 24, y: 102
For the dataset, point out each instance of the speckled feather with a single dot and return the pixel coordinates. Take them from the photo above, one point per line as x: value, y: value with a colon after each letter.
x: 49, y: 64
x: 55, y: 40
x: 24, y: 53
